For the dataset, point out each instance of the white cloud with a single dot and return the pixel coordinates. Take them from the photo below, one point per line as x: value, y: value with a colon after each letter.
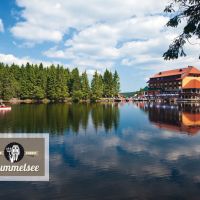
x: 93, y: 152
x: 10, y: 59
x: 57, y: 17
x: 31, y: 33
x: 92, y: 47
x: 101, y: 34
x: 105, y: 43
x: 1, y: 26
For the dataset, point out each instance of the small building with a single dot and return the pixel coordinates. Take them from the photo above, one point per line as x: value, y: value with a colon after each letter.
x: 151, y: 91
x: 184, y: 82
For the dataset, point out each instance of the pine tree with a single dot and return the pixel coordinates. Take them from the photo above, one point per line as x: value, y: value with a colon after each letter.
x: 97, y: 86
x: 116, y: 84
x: 108, y: 84
x: 61, y: 84
x: 9, y: 85
x: 76, y: 85
x: 51, y: 83
x: 39, y: 90
x: 85, y: 88
x: 76, y: 81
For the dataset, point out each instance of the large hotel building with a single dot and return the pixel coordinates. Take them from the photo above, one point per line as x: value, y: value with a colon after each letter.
x: 183, y: 81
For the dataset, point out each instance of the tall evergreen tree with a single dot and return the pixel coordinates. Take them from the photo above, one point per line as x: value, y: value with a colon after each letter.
x: 76, y: 80
x: 108, y: 84
x: 61, y: 84
x: 39, y: 91
x: 116, y: 84
x: 97, y: 86
x: 51, y: 83
x: 9, y: 85
x: 76, y: 85
x: 28, y: 82
x: 85, y: 88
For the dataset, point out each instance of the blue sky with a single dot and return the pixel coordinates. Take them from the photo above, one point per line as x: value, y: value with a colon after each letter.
x: 129, y: 36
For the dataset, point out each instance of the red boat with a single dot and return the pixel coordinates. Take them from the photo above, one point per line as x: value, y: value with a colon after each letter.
x: 4, y: 107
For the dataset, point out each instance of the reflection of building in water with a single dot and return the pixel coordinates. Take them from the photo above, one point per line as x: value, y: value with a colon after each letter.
x: 181, y: 118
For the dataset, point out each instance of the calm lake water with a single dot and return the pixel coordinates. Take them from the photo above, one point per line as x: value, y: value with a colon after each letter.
x: 111, y: 151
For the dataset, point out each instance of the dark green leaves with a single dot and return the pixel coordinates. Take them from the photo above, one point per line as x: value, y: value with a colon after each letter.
x: 189, y: 12
x: 175, y: 49
x: 173, y: 22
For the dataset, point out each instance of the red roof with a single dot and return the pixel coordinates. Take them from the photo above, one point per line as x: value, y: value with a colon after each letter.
x: 193, y: 84
x: 181, y: 71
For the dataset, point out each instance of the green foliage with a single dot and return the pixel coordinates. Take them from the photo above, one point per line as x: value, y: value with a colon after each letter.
x: 54, y: 83
x: 187, y: 11
x: 116, y: 84
x: 51, y: 83
x: 77, y: 95
x: 9, y: 85
x: 57, y: 83
x: 38, y: 93
x: 108, y: 84
x: 75, y: 81
x: 97, y: 86
x: 85, y: 87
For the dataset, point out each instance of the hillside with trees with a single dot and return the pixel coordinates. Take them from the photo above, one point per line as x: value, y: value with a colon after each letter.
x: 55, y: 83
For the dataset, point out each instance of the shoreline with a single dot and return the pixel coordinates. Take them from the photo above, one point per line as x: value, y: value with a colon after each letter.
x: 102, y: 100
x: 46, y: 101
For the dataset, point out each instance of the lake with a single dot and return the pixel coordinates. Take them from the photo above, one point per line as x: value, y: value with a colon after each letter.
x: 111, y: 151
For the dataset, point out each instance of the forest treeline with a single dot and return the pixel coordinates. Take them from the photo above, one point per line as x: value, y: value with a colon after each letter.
x: 55, y: 83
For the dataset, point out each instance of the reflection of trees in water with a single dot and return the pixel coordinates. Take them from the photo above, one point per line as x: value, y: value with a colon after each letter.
x: 78, y: 115
x: 57, y: 118
x: 105, y: 114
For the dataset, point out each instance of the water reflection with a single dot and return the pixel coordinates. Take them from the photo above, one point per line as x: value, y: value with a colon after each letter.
x: 136, y: 160
x: 174, y: 117
x: 59, y: 118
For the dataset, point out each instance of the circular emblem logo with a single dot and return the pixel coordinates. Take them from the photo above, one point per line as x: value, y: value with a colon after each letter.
x: 14, y: 152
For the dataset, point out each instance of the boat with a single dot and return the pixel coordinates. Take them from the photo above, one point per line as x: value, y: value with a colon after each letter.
x: 4, y: 107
